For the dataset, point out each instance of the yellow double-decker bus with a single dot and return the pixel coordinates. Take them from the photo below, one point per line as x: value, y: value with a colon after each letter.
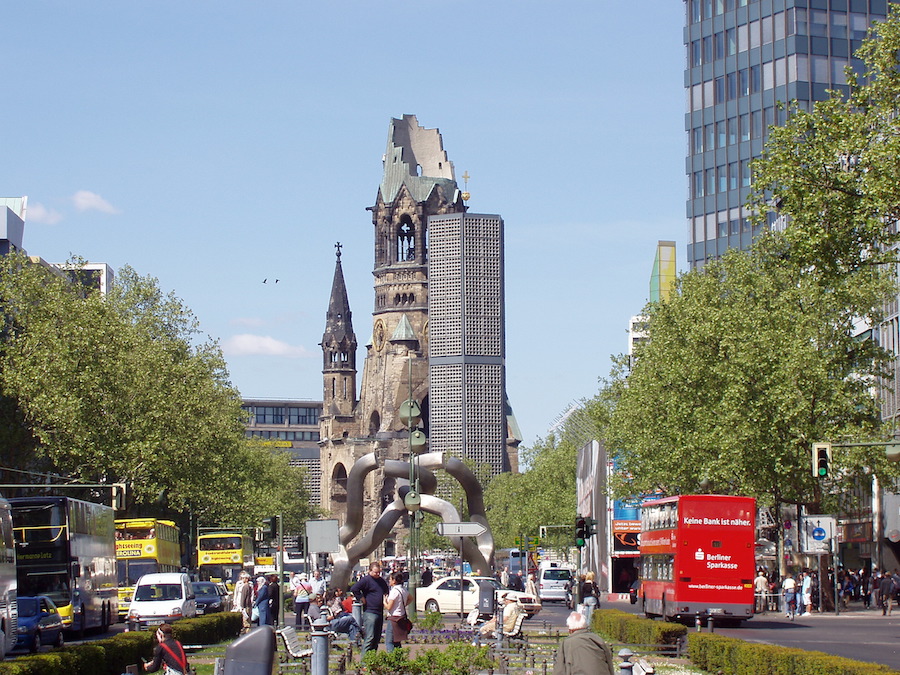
x: 221, y: 556
x: 143, y: 546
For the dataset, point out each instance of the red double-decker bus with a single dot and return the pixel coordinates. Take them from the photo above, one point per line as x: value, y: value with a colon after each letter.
x: 697, y: 557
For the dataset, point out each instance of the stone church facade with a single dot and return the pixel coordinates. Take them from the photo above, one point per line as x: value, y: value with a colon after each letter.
x: 418, y: 183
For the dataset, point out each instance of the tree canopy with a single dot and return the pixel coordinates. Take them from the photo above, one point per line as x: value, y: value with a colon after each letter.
x: 123, y: 388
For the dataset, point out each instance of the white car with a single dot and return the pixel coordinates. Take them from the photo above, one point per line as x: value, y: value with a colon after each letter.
x: 444, y: 596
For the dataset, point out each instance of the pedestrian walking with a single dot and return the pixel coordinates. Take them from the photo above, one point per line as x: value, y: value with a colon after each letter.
x: 589, y: 595
x: 302, y: 593
x: 886, y: 593
x: 395, y: 604
x: 261, y: 603
x: 761, y: 589
x: 243, y: 599
x: 789, y: 590
x: 371, y: 590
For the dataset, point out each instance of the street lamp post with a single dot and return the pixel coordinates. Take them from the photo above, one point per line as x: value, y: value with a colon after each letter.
x: 411, y: 414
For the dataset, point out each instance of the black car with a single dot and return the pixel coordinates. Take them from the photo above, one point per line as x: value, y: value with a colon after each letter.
x: 208, y: 596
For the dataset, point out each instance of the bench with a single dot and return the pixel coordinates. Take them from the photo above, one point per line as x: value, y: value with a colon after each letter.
x: 516, y: 635
x: 639, y: 666
x: 292, y: 645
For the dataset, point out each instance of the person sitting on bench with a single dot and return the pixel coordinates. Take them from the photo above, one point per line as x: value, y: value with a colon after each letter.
x: 345, y: 623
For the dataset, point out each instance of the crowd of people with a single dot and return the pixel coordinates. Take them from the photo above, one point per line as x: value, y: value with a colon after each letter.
x: 384, y: 612
x: 802, y: 593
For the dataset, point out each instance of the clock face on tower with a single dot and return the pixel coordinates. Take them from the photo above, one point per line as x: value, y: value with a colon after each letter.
x: 378, y: 335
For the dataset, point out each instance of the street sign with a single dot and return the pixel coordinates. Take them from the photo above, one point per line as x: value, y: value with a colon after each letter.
x: 460, y: 529
x: 816, y: 534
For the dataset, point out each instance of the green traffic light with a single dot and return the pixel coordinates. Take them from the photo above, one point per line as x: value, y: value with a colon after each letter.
x: 579, y: 543
x: 823, y: 471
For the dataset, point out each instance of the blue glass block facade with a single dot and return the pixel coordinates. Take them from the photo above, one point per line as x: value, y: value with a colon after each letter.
x: 741, y: 58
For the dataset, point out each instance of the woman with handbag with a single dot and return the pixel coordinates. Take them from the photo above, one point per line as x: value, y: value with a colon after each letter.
x: 398, y: 625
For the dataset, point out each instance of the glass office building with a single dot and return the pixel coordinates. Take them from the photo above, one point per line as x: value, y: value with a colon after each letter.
x: 742, y: 58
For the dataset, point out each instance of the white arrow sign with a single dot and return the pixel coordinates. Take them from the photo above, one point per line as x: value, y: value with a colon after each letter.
x: 460, y: 529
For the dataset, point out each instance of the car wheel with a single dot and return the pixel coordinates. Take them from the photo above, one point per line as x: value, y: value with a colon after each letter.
x: 432, y: 606
x: 36, y: 643
x: 60, y: 640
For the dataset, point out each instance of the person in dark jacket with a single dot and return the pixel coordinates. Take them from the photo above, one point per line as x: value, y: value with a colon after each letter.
x: 168, y: 651
x: 261, y: 603
x: 371, y: 589
x: 274, y: 593
x: 583, y: 652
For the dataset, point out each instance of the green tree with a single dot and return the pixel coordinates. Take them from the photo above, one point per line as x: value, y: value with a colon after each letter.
x: 123, y: 388
x: 747, y: 365
x: 544, y: 494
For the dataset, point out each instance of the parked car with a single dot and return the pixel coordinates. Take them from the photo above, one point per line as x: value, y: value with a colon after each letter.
x: 161, y: 597
x: 227, y: 597
x: 209, y: 597
x: 444, y: 594
x: 39, y: 623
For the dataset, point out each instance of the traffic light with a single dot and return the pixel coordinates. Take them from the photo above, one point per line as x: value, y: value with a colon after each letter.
x: 581, y: 531
x: 821, y: 458
x: 118, y: 496
x: 591, y: 527
x: 272, y: 524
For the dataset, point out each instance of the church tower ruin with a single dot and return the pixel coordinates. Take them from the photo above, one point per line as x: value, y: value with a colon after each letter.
x: 418, y: 183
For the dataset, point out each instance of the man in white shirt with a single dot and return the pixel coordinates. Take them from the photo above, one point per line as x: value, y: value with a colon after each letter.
x: 319, y: 584
x: 789, y: 590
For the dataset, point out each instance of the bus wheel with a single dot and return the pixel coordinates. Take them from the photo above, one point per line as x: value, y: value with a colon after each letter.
x: 82, y: 624
x: 104, y: 619
x: 36, y: 643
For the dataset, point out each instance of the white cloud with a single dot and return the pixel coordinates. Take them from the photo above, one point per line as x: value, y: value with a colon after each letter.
x: 262, y: 345
x: 38, y: 213
x: 90, y: 201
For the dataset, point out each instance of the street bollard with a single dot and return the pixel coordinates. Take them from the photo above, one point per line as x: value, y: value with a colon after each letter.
x: 321, y: 643
x: 711, y: 624
x: 625, y: 654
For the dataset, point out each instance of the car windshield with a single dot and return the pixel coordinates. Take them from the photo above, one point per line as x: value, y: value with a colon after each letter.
x: 28, y: 606
x: 205, y: 588
x: 557, y: 575
x: 150, y: 592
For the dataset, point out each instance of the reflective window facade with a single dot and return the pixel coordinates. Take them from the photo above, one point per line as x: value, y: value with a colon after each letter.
x: 741, y: 58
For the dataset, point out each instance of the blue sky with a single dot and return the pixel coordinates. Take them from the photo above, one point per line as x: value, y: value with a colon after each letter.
x: 216, y: 144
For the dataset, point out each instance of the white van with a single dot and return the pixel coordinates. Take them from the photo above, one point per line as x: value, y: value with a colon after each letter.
x: 161, y: 598
x: 552, y: 582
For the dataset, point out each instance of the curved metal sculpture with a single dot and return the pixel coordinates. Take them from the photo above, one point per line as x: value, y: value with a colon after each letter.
x: 480, y: 554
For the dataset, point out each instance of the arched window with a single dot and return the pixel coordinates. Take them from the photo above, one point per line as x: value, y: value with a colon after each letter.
x: 406, y: 240
x: 374, y: 423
